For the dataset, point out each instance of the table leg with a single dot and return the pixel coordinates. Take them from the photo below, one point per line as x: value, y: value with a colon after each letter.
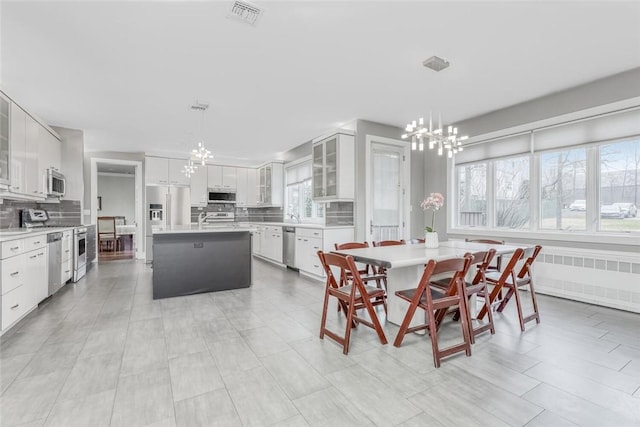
x: 399, y: 279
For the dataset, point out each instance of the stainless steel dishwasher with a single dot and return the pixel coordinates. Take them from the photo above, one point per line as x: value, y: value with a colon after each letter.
x: 289, y: 246
x: 54, y: 244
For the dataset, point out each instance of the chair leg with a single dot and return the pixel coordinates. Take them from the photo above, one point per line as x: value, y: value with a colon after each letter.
x: 323, y: 323
x: 433, y: 334
x: 492, y: 296
x: 534, y: 300
x: 519, y: 307
x: 348, y: 327
x: 465, y: 323
x: 407, y: 320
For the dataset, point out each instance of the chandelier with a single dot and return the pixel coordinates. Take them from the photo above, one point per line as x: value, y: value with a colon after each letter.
x: 434, y: 137
x: 189, y: 168
x: 201, y: 154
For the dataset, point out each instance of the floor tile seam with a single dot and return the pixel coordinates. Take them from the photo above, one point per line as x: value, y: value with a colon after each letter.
x: 115, y: 396
x: 582, y: 399
x: 164, y: 338
x: 502, y: 387
x: 593, y: 402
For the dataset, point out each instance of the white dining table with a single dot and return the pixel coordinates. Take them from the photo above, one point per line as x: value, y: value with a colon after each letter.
x: 405, y: 265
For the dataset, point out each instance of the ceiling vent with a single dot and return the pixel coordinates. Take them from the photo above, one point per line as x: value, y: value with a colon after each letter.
x: 200, y: 106
x: 245, y: 12
x: 436, y: 63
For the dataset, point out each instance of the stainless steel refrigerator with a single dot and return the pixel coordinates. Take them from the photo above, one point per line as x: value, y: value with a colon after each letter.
x: 166, y: 206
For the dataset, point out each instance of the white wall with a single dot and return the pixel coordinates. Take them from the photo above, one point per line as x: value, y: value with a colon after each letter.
x: 118, y: 195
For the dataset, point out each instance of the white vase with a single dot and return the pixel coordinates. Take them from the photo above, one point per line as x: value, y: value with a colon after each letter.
x: 431, y: 239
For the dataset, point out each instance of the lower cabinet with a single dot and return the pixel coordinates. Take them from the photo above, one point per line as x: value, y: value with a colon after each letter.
x: 310, y: 240
x: 66, y: 271
x: 24, y: 272
x: 272, y: 243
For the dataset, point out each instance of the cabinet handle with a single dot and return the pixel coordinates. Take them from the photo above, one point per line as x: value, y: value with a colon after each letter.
x: 41, y: 253
x: 15, y: 273
x: 33, y: 256
x: 316, y: 247
x: 15, y: 248
x: 66, y: 271
x: 15, y: 306
x: 67, y: 251
x: 316, y: 265
x: 36, y: 243
x: 305, y: 240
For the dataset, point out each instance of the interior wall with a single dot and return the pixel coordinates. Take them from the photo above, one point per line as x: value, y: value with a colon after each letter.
x: 115, y: 155
x: 118, y: 196
x: 618, y: 87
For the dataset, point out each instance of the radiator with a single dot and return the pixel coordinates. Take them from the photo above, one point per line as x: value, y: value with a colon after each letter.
x: 606, y: 278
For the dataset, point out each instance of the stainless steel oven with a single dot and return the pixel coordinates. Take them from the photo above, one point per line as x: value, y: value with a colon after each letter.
x: 79, y: 253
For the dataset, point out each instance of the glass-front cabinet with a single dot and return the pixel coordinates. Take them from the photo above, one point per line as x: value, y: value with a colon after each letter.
x: 333, y: 168
x: 4, y: 140
x: 270, y: 184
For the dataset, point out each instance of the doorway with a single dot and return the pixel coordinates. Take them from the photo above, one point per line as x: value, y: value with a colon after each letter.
x: 116, y: 208
x: 387, y: 189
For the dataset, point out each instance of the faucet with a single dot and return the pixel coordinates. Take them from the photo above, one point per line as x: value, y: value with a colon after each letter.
x: 296, y: 217
x: 202, y: 217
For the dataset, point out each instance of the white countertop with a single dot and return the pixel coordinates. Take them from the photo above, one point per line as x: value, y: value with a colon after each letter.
x: 7, y: 234
x: 417, y: 254
x: 194, y: 228
x: 298, y: 225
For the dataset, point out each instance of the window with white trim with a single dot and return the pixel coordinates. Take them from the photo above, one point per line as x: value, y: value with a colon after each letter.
x: 298, y: 195
x: 586, y: 178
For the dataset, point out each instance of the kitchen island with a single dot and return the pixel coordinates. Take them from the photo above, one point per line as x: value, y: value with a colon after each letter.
x: 191, y: 260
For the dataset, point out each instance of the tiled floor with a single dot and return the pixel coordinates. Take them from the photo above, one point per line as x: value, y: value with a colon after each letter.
x: 102, y: 352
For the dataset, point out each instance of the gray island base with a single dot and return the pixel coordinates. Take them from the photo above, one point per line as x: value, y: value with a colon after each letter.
x: 197, y: 262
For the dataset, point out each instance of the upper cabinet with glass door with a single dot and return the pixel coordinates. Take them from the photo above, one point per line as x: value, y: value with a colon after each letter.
x: 4, y: 141
x: 333, y: 168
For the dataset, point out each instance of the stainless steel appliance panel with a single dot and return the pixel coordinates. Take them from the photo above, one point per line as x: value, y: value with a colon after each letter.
x: 165, y: 206
x: 54, y: 245
x: 179, y: 206
x: 79, y: 253
x: 289, y: 246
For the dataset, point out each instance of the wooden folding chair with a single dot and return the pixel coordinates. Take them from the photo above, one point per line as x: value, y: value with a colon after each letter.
x: 436, y: 304
x: 514, y: 282
x: 382, y: 270
x: 351, y: 297
x: 368, y: 273
x: 498, y: 264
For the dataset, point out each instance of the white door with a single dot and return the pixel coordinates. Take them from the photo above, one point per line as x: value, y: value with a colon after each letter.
x: 386, y: 192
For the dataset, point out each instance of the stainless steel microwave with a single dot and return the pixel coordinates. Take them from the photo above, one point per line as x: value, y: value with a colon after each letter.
x: 221, y: 197
x: 56, y: 183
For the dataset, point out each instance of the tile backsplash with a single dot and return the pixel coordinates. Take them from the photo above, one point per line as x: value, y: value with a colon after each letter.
x: 67, y: 212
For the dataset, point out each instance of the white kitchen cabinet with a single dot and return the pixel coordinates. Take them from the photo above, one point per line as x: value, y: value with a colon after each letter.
x: 50, y: 151
x: 156, y: 170
x: 253, y: 195
x: 198, y: 184
x: 310, y: 240
x: 272, y: 243
x: 164, y: 171
x: 256, y: 240
x: 333, y: 168
x: 176, y: 172
x: 36, y: 274
x: 34, y: 177
x: 221, y: 178
x: 66, y: 271
x: 24, y: 275
x: 271, y: 184
x: 18, y: 142
x: 241, y: 187
x: 5, y: 123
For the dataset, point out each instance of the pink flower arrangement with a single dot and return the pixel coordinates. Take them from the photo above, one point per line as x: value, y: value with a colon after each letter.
x: 434, y: 202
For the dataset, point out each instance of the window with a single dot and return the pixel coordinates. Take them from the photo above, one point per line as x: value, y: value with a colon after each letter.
x: 472, y: 194
x: 619, y: 185
x: 563, y: 190
x: 512, y: 192
x: 299, y: 200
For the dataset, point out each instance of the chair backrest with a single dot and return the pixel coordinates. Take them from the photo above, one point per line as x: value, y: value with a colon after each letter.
x: 388, y: 243
x: 106, y: 225
x: 120, y: 220
x: 351, y: 245
x: 482, y: 259
x: 457, y: 266
x: 529, y: 255
x: 345, y: 263
x: 509, y: 270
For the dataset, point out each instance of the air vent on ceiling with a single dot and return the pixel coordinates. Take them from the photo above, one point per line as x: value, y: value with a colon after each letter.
x: 199, y: 106
x: 436, y: 63
x: 245, y: 12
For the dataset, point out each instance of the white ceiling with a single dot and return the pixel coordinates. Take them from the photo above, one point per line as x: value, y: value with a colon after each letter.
x: 126, y: 72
